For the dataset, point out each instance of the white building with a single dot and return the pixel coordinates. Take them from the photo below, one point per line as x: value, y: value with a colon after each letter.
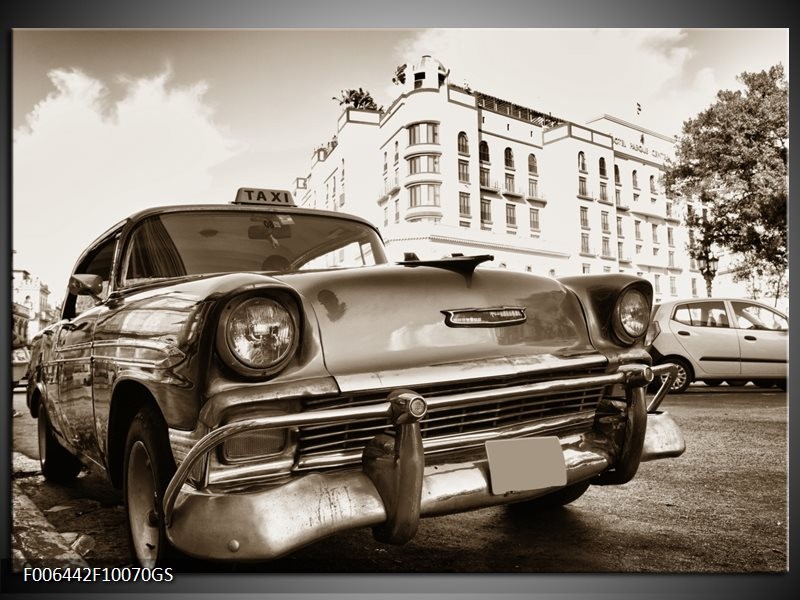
x: 449, y: 170
x: 30, y: 292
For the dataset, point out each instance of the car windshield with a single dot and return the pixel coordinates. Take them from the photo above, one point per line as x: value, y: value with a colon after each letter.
x: 178, y: 244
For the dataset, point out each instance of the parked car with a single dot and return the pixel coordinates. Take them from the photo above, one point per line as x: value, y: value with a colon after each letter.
x: 20, y: 358
x: 257, y: 376
x: 720, y: 340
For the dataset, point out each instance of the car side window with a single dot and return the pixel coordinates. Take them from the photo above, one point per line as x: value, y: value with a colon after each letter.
x: 99, y: 262
x: 702, y: 314
x: 754, y: 316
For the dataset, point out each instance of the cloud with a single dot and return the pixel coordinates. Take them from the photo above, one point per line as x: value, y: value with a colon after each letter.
x: 83, y: 162
x: 573, y: 73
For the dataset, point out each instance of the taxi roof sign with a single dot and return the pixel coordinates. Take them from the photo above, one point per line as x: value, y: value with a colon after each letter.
x: 264, y: 197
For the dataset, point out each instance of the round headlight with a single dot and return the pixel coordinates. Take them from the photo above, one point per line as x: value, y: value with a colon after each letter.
x: 260, y: 333
x: 632, y: 315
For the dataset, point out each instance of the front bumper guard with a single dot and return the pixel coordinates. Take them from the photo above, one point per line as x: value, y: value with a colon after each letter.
x: 394, y: 488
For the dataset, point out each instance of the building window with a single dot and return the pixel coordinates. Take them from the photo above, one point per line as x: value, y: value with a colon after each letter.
x: 385, y: 164
x: 463, y: 171
x: 511, y: 215
x: 655, y: 233
x: 584, y: 217
x: 636, y: 197
x: 619, y: 227
x: 463, y: 204
x: 397, y: 210
x: 533, y: 167
x: 581, y: 162
x: 602, y: 167
x: 621, y: 250
x: 426, y: 194
x: 509, y: 182
x: 483, y: 152
x: 671, y: 258
x: 509, y: 156
x: 534, y: 219
x: 637, y: 229
x: 635, y: 180
x: 585, y: 268
x: 616, y: 175
x: 606, y: 247
x: 551, y: 273
x: 603, y: 192
x: 385, y: 216
x: 694, y: 287
x: 423, y: 133
x: 585, y: 243
x: 582, y: 187
x: 486, y: 211
x: 638, y: 248
x: 669, y: 209
x: 655, y: 250
x: 533, y: 188
x: 670, y: 236
x: 426, y: 163
x: 604, y: 222
x: 652, y: 184
x: 657, y: 283
x: 396, y: 152
x: 485, y: 177
x: 618, y: 197
x: 463, y: 144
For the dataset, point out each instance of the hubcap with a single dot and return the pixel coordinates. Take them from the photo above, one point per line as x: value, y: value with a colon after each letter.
x: 142, y: 509
x: 680, y: 378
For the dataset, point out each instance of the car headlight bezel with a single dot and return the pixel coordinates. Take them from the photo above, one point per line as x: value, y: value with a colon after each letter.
x: 225, y: 342
x: 622, y: 323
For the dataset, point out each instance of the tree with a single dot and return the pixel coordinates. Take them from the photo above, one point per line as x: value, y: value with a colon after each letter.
x: 733, y: 158
x: 359, y: 98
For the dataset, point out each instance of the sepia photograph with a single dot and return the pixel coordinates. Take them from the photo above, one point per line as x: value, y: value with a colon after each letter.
x: 419, y: 300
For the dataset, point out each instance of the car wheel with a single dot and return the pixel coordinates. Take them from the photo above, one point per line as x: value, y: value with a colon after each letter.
x: 736, y: 382
x: 147, y: 470
x: 713, y: 382
x: 561, y: 497
x: 764, y: 383
x: 57, y: 463
x: 682, y: 379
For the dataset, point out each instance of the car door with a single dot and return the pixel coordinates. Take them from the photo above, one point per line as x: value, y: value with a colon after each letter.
x: 74, y: 351
x: 703, y: 330
x: 763, y: 339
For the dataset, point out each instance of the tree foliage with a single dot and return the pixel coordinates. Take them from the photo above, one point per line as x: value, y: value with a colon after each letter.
x: 733, y: 157
x: 359, y: 98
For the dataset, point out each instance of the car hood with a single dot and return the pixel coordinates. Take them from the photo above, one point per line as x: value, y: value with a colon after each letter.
x: 380, y: 320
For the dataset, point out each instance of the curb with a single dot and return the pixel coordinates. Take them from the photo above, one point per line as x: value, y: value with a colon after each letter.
x: 35, y: 542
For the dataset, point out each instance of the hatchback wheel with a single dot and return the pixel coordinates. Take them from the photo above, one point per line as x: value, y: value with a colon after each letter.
x: 147, y: 470
x: 683, y: 377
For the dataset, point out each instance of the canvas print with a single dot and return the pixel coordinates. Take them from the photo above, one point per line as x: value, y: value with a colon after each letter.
x: 418, y: 300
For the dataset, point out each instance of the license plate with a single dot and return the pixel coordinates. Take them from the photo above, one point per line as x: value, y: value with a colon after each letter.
x: 525, y: 464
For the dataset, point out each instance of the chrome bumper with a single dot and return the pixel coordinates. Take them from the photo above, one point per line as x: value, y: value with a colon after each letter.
x: 394, y: 488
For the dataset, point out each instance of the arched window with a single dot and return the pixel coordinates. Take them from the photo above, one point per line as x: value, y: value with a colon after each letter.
x: 463, y: 144
x: 533, y: 168
x: 616, y: 175
x: 635, y: 179
x: 652, y: 184
x: 484, y: 152
x: 581, y: 161
x: 509, y: 158
x: 602, y: 167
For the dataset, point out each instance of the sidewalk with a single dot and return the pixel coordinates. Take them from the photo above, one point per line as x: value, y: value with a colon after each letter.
x: 34, y: 541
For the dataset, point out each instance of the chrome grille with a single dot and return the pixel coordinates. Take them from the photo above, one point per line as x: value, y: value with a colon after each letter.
x: 560, y: 411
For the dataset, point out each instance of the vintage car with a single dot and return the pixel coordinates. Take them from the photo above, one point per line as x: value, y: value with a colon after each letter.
x: 257, y: 376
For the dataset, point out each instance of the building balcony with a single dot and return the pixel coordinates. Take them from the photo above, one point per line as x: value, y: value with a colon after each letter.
x: 426, y: 210
x: 538, y: 199
x: 490, y: 186
x: 625, y: 259
x: 514, y: 192
x: 622, y: 206
x: 390, y: 188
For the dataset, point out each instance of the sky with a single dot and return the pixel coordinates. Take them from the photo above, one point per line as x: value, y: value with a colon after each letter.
x: 106, y: 123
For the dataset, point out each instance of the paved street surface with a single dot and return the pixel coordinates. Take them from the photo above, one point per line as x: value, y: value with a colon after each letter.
x: 721, y: 507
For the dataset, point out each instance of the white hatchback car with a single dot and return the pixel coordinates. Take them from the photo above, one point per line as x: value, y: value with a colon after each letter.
x: 720, y: 339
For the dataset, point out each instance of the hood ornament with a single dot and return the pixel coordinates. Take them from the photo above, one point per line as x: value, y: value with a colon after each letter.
x: 497, y: 316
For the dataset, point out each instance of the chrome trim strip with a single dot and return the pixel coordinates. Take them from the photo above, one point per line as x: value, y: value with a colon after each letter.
x: 465, y: 440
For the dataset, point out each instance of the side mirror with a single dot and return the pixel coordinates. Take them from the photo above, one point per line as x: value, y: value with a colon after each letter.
x: 86, y: 285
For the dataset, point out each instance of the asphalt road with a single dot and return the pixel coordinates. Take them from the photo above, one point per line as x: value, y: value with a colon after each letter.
x: 719, y: 508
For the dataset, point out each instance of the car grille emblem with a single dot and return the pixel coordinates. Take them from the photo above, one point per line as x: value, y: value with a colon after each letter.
x: 499, y: 316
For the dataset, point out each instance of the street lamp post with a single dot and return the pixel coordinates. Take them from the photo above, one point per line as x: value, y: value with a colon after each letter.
x: 707, y: 264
